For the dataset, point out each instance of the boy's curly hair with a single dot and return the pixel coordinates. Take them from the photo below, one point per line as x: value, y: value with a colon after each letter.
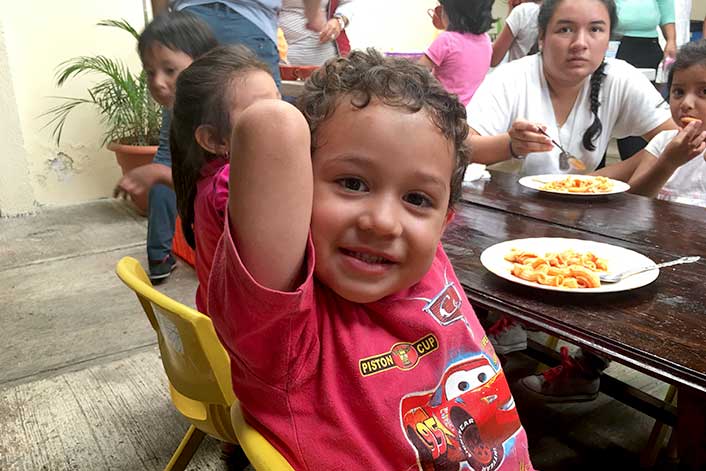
x: 367, y: 75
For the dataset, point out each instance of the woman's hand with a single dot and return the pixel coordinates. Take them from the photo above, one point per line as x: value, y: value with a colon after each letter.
x: 670, y: 50
x: 687, y: 144
x: 330, y: 31
x: 526, y: 137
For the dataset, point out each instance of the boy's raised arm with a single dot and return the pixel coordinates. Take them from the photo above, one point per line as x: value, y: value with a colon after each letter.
x: 271, y: 188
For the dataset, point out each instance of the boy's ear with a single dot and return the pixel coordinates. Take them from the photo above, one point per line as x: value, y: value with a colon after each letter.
x: 205, y: 136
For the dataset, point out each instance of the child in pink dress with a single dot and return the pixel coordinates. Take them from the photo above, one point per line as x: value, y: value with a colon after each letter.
x: 460, y: 56
x: 210, y: 96
x: 352, y: 344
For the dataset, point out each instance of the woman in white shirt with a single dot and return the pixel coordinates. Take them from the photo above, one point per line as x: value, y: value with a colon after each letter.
x: 580, y: 99
x: 569, y: 90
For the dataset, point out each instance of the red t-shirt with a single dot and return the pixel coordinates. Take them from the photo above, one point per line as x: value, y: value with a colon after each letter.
x: 397, y: 384
x: 210, y: 206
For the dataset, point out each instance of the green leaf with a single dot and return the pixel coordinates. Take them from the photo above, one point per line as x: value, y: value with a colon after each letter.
x: 122, y: 98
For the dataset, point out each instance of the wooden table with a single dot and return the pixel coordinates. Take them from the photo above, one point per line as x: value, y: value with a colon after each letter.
x: 659, y: 329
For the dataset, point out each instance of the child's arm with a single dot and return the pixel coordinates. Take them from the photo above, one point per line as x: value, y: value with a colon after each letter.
x: 271, y: 188
x: 140, y: 180
x: 425, y: 62
x: 649, y: 178
x: 501, y: 45
x: 159, y: 7
x: 625, y: 169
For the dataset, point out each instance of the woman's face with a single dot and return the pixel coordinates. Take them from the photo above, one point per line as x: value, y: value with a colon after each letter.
x: 575, y: 41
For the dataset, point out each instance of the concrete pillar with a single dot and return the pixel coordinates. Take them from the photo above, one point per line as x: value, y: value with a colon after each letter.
x: 16, y: 192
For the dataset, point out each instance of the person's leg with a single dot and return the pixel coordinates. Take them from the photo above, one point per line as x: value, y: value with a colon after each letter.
x: 643, y: 53
x: 160, y: 231
x: 230, y: 27
x: 577, y: 379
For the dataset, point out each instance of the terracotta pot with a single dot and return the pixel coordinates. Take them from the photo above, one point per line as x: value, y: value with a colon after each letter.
x: 130, y: 157
x: 296, y: 72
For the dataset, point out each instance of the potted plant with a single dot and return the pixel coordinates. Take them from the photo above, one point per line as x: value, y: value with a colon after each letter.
x: 131, y: 118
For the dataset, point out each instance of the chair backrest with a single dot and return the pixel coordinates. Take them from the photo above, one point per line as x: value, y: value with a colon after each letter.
x: 262, y: 455
x: 196, y: 363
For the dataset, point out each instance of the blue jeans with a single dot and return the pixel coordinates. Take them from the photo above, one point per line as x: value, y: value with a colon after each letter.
x: 230, y: 27
x: 161, y: 206
x: 160, y: 222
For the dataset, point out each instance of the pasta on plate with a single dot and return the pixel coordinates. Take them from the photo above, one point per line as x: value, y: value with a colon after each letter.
x: 573, y: 184
x: 567, y: 269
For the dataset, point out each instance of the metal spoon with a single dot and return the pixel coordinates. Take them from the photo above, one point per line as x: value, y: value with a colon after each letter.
x: 565, y: 158
x: 615, y: 277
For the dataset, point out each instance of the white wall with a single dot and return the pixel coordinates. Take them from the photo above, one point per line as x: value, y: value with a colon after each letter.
x: 38, y: 35
x: 399, y: 25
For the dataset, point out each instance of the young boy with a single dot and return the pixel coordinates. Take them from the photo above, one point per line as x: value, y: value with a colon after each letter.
x: 352, y: 345
x: 167, y: 46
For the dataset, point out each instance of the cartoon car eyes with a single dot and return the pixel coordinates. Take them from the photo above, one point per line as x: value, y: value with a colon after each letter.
x: 460, y: 382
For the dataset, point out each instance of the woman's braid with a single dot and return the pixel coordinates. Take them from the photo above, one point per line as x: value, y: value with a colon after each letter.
x: 596, y: 127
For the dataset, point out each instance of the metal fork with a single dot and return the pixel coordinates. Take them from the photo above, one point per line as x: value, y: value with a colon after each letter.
x: 564, y: 156
x: 615, y: 277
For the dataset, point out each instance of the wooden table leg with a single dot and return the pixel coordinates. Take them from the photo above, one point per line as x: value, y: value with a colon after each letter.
x: 691, y: 429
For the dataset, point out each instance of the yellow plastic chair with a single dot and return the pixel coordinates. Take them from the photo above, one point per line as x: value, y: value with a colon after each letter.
x: 262, y: 455
x: 196, y: 364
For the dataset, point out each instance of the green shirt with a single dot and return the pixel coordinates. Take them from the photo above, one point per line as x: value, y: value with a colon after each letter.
x: 640, y: 18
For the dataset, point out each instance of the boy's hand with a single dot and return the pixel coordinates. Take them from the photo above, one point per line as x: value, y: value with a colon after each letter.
x: 526, y: 137
x: 139, y: 181
x: 687, y: 144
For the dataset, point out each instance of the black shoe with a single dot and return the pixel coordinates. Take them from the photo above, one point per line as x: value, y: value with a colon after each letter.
x: 161, y: 269
x: 234, y: 457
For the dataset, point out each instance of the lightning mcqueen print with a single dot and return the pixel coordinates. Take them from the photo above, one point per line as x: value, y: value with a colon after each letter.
x: 467, y: 418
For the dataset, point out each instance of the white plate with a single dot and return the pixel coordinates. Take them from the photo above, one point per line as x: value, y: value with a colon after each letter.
x: 618, y: 258
x: 536, y: 182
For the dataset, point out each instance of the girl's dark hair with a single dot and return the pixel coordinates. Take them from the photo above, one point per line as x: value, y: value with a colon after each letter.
x: 546, y: 12
x: 367, y: 75
x: 203, y: 97
x: 468, y: 16
x: 693, y: 53
x: 178, y: 31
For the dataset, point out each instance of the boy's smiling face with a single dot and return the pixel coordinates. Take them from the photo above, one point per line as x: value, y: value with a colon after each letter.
x: 382, y: 178
x: 162, y: 66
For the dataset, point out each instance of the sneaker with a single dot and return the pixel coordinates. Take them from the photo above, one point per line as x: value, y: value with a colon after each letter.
x: 161, y: 269
x: 507, y: 336
x: 234, y: 457
x: 569, y: 382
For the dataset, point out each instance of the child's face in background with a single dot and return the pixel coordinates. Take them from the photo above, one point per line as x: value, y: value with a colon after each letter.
x: 162, y: 66
x: 381, y: 193
x: 687, y: 95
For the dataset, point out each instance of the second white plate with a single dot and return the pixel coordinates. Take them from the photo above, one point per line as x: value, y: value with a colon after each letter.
x: 536, y: 182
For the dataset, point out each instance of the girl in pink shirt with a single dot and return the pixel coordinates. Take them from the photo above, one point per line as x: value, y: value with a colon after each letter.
x: 210, y: 95
x: 460, y: 56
